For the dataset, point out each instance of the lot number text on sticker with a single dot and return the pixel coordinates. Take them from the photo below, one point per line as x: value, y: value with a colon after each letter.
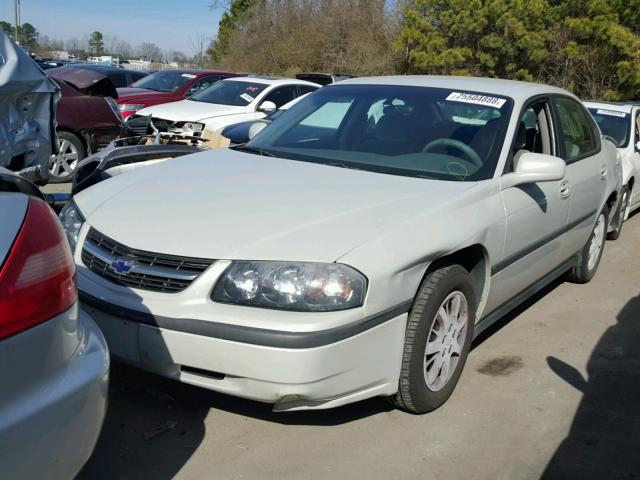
x: 612, y: 113
x: 476, y: 99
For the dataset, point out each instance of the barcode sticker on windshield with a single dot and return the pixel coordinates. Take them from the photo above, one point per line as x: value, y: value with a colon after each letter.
x: 612, y: 113
x: 188, y: 75
x: 476, y: 99
x: 246, y: 97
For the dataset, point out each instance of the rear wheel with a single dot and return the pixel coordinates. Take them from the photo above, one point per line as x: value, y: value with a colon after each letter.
x: 437, y: 340
x: 590, y: 255
x: 619, y: 217
x: 63, y: 165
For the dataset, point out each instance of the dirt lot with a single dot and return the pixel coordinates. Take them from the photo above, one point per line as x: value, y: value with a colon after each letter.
x: 552, y: 391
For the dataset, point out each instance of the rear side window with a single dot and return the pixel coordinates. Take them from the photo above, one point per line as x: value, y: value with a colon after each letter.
x: 119, y: 79
x: 578, y: 133
x: 304, y: 89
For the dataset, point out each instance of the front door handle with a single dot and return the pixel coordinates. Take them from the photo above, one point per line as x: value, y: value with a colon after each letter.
x: 603, y: 171
x: 565, y: 189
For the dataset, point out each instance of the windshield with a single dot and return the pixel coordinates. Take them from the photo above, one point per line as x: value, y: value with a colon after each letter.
x: 410, y: 131
x: 230, y: 92
x: 613, y: 124
x: 165, y: 81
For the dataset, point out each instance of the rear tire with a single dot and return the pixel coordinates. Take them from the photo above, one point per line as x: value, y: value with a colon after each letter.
x: 618, y: 218
x: 437, y: 338
x: 591, y: 254
x: 63, y: 165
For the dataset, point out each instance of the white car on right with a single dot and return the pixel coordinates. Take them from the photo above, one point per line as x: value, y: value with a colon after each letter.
x: 620, y: 123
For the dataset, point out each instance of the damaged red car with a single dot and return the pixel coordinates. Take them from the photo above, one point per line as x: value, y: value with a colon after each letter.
x: 88, y: 118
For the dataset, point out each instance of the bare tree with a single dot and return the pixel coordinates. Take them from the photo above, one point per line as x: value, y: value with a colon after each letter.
x: 199, y: 44
x: 150, y: 51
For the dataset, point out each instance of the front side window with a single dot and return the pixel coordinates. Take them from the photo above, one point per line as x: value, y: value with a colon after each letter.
x: 577, y: 132
x: 165, y: 81
x: 230, y: 92
x: 614, y: 125
x: 411, y: 131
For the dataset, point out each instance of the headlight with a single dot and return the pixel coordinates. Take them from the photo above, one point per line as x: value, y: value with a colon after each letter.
x: 130, y: 107
x: 316, y: 287
x: 72, y: 221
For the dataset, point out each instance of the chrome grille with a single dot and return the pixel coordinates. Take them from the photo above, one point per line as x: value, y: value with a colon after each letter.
x: 149, y: 271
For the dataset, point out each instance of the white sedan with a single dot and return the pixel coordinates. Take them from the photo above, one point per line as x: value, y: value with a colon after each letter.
x: 227, y: 102
x: 621, y: 124
x: 352, y: 249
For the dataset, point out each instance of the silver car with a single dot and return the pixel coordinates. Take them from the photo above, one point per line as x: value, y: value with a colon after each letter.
x: 354, y: 247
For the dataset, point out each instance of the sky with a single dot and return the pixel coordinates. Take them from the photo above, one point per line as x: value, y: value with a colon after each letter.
x: 170, y: 24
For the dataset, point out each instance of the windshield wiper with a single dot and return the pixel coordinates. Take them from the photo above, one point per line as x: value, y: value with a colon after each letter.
x: 255, y: 150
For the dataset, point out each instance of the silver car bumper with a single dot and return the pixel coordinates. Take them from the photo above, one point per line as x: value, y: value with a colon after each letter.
x: 53, y: 384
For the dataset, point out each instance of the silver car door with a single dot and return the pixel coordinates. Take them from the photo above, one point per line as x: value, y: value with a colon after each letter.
x: 579, y: 142
x: 536, y: 213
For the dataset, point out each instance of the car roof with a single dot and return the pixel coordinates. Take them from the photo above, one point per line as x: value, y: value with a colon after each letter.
x: 106, y: 68
x: 198, y: 72
x: 518, y: 91
x: 616, y: 107
x: 270, y: 80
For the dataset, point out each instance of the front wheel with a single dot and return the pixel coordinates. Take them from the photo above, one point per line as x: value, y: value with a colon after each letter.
x: 590, y: 255
x: 63, y: 165
x: 437, y: 340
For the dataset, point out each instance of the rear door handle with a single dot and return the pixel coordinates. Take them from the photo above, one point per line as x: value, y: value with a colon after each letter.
x: 603, y: 171
x: 565, y: 189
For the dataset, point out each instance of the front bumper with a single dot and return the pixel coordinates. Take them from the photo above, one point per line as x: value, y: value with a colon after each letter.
x: 291, y: 370
x: 54, y: 381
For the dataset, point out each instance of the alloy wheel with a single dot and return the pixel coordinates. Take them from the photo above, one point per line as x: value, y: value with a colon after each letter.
x: 597, y: 241
x: 65, y: 162
x: 446, y: 340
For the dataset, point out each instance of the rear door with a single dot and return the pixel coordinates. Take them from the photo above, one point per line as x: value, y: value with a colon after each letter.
x: 587, y: 170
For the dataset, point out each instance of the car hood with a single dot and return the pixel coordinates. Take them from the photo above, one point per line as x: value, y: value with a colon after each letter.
x: 27, y: 113
x: 87, y: 82
x: 190, y: 111
x: 131, y: 94
x: 223, y: 204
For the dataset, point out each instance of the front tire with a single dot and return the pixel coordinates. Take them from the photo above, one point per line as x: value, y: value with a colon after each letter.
x: 590, y: 255
x: 437, y: 340
x: 63, y: 165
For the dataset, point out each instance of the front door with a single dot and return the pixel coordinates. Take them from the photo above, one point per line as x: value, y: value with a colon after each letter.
x: 536, y: 213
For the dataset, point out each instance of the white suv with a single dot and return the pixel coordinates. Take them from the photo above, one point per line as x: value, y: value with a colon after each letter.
x: 352, y: 249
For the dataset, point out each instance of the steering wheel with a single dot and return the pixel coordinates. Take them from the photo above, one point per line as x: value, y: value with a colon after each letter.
x: 469, y: 152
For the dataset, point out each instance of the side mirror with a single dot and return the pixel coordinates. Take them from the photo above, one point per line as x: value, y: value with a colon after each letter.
x: 535, y: 167
x: 638, y: 147
x: 256, y: 128
x: 267, y: 107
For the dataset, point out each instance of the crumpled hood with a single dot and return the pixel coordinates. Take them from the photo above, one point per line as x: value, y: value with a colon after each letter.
x: 28, y: 100
x: 189, y: 111
x: 223, y: 204
x: 87, y: 82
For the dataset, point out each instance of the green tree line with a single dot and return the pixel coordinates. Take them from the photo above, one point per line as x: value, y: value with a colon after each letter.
x: 591, y: 47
